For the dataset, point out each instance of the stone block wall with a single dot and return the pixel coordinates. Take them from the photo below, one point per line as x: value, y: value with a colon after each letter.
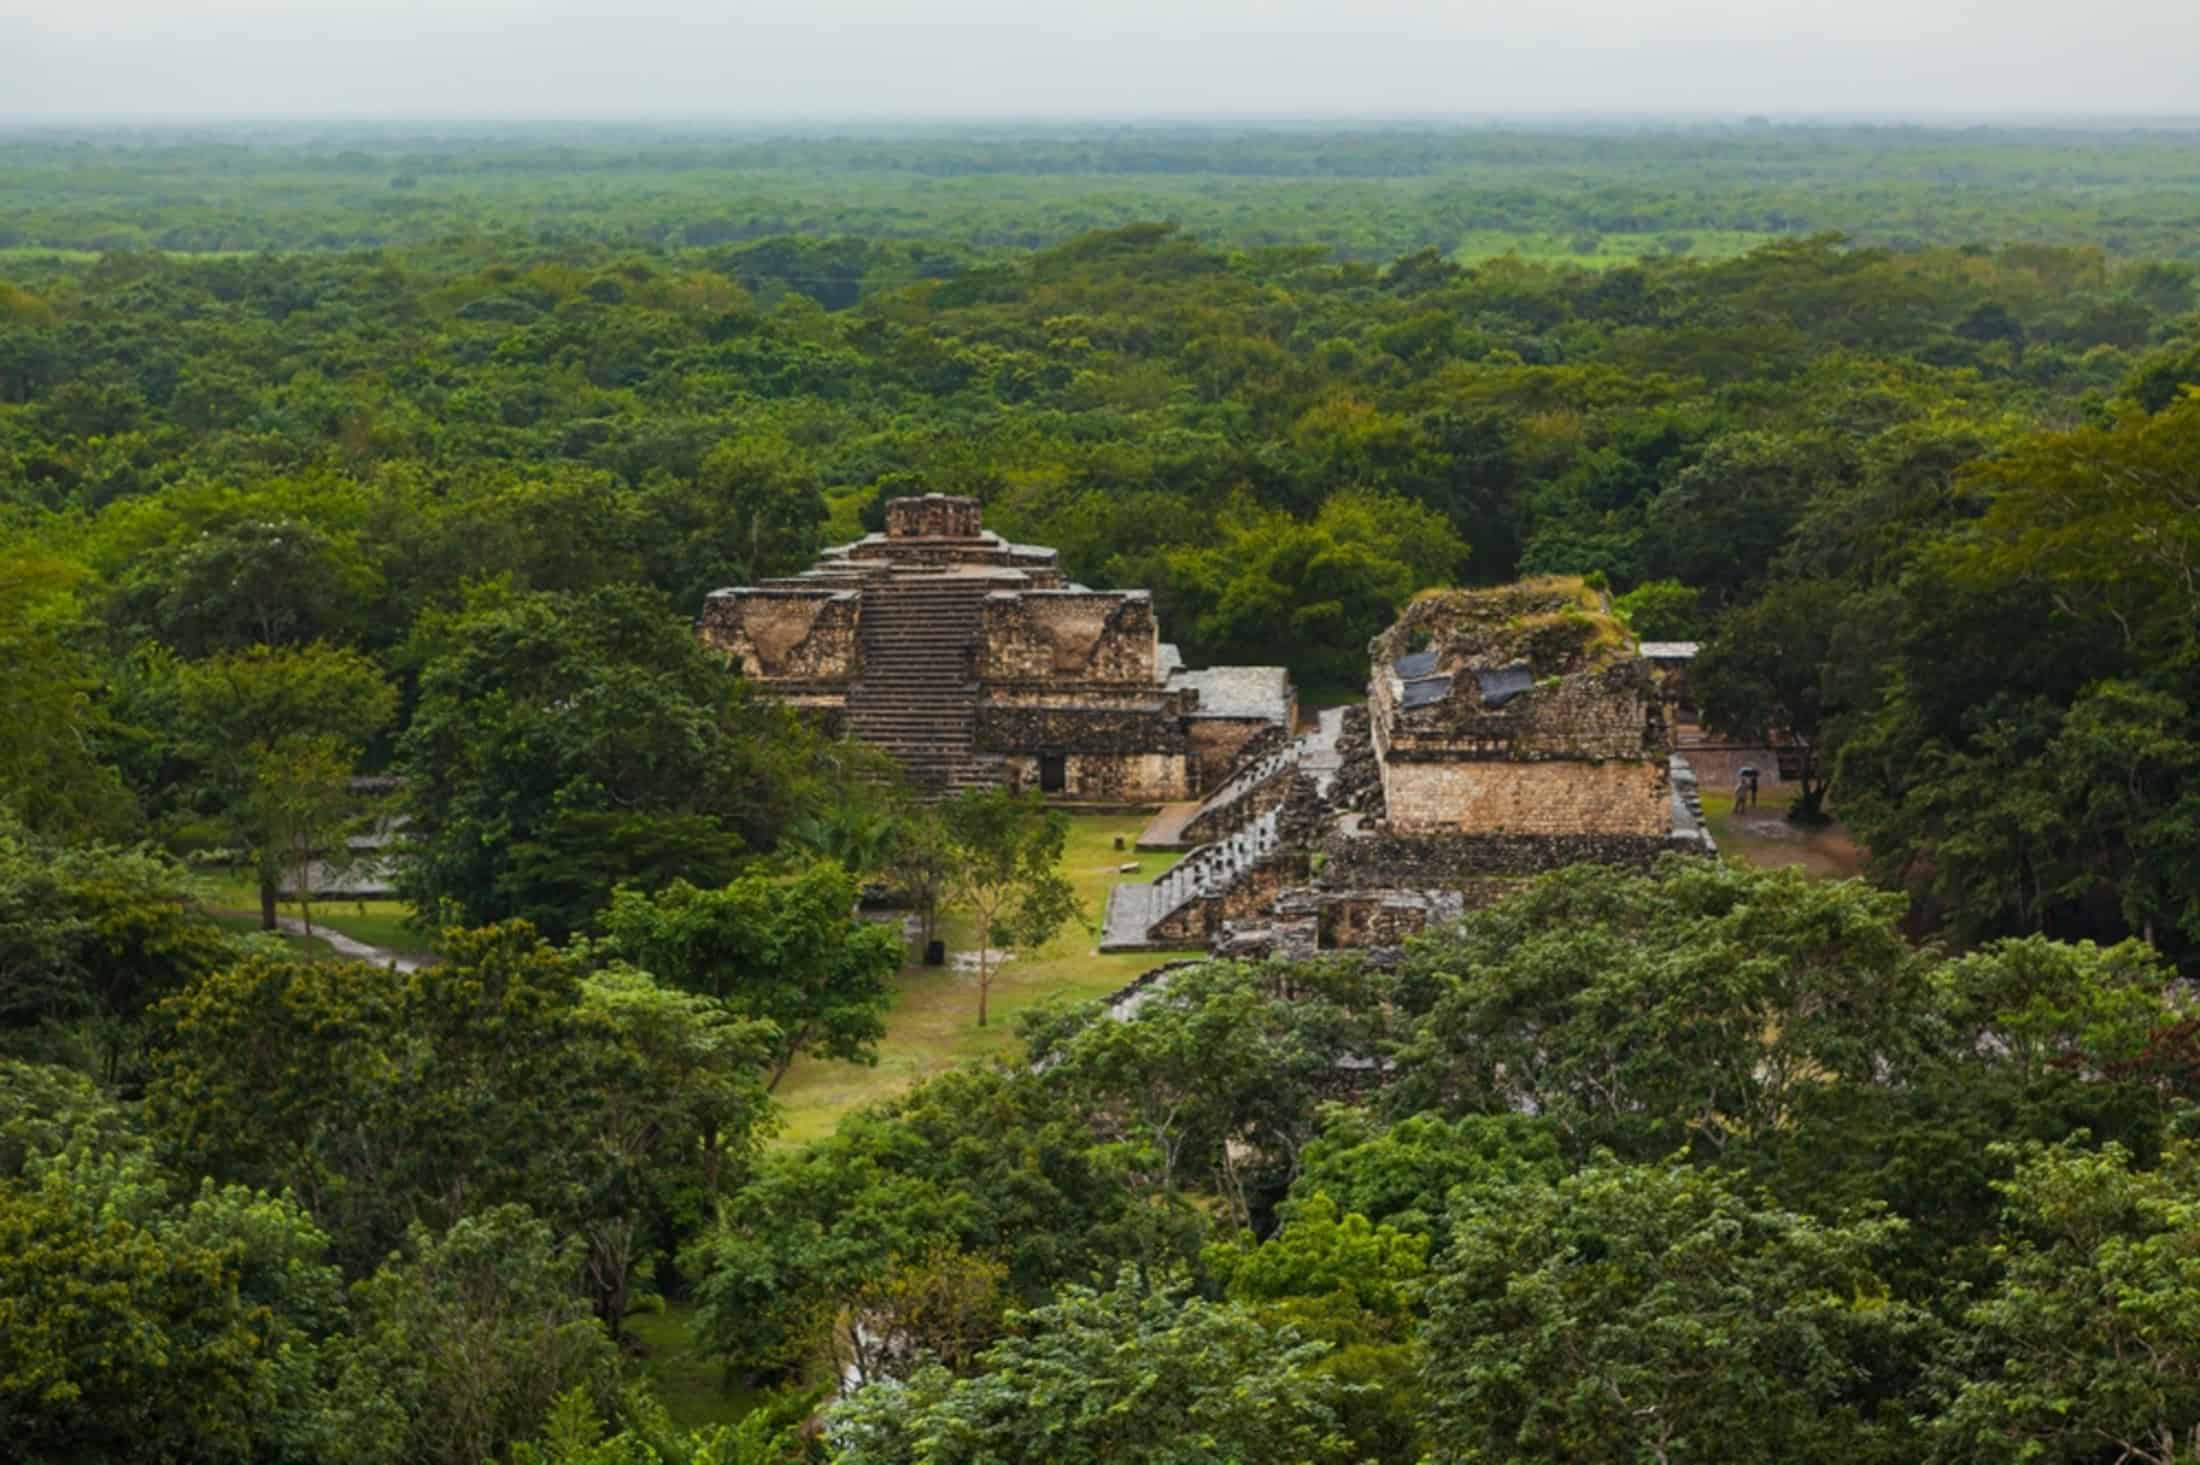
x: 1070, y: 724
x: 785, y: 635
x: 1623, y: 796
x: 1350, y: 923
x: 1719, y: 765
x: 933, y: 516
x: 1448, y: 861
x: 1073, y: 635
x: 1107, y: 778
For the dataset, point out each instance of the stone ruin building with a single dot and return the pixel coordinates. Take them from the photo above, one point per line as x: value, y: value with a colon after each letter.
x: 974, y: 662
x: 1505, y: 733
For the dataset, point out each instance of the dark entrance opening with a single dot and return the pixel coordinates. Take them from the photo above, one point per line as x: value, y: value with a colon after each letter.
x: 1053, y: 773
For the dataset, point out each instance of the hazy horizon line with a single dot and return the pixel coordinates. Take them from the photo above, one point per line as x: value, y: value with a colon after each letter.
x: 1563, y: 115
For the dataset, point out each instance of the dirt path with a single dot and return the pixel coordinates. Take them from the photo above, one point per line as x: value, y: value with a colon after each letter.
x: 1765, y: 837
x: 345, y: 946
x: 357, y: 950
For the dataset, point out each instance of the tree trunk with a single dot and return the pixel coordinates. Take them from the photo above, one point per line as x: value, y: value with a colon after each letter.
x: 985, y: 980
x: 267, y: 901
x: 1809, y: 807
x: 784, y: 1059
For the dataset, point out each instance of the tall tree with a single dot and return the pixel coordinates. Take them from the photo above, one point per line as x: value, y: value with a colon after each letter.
x: 1120, y: 1375
x: 564, y: 744
x: 1217, y: 1078
x: 1006, y: 873
x: 258, y: 718
x: 301, y: 790
x: 1652, y: 1313
x: 1648, y: 1012
x: 119, y: 1344
x: 2084, y: 1349
x: 1765, y: 677
x: 90, y: 938
x: 51, y: 777
x: 474, y: 1331
x: 1319, y: 588
x: 787, y: 950
x: 607, y: 1106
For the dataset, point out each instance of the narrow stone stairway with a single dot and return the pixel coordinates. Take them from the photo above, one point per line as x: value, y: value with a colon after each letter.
x: 917, y: 696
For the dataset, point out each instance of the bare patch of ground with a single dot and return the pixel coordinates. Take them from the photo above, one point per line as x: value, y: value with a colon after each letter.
x: 1764, y: 836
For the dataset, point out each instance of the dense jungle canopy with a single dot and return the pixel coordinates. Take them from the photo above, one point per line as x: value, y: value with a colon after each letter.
x: 406, y: 455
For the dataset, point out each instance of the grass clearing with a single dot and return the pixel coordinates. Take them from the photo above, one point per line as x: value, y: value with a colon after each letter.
x: 933, y: 1024
x: 1763, y: 836
x: 689, y: 1383
x: 376, y: 922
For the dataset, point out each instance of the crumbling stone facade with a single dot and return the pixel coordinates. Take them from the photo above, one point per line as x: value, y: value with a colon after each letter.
x: 1503, y: 797
x: 934, y: 516
x: 790, y: 635
x: 974, y: 661
x: 1506, y: 733
x: 1523, y: 711
x: 1044, y: 637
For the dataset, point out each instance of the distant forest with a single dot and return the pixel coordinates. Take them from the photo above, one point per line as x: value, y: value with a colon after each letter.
x: 1369, y: 193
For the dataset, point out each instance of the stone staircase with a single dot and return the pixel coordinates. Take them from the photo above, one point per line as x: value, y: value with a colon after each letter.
x: 1206, y: 874
x: 917, y: 696
x: 1262, y: 785
x: 1239, y: 801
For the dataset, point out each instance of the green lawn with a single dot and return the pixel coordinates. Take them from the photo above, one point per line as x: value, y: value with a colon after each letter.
x: 933, y: 1024
x: 689, y: 1384
x: 376, y: 922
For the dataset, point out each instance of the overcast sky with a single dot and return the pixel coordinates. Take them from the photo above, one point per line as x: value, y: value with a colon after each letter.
x: 826, y: 59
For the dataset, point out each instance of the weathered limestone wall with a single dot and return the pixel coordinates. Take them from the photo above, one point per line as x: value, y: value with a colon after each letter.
x: 1012, y: 567
x: 1048, y: 635
x: 1108, y: 778
x: 1624, y: 797
x: 1063, y: 725
x: 785, y: 635
x: 1612, y: 713
x: 1718, y: 766
x: 1448, y: 861
x: 933, y: 516
x: 1071, y: 683
x: 1349, y: 923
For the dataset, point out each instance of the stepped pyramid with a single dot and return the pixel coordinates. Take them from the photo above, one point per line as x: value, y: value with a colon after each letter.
x: 974, y: 662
